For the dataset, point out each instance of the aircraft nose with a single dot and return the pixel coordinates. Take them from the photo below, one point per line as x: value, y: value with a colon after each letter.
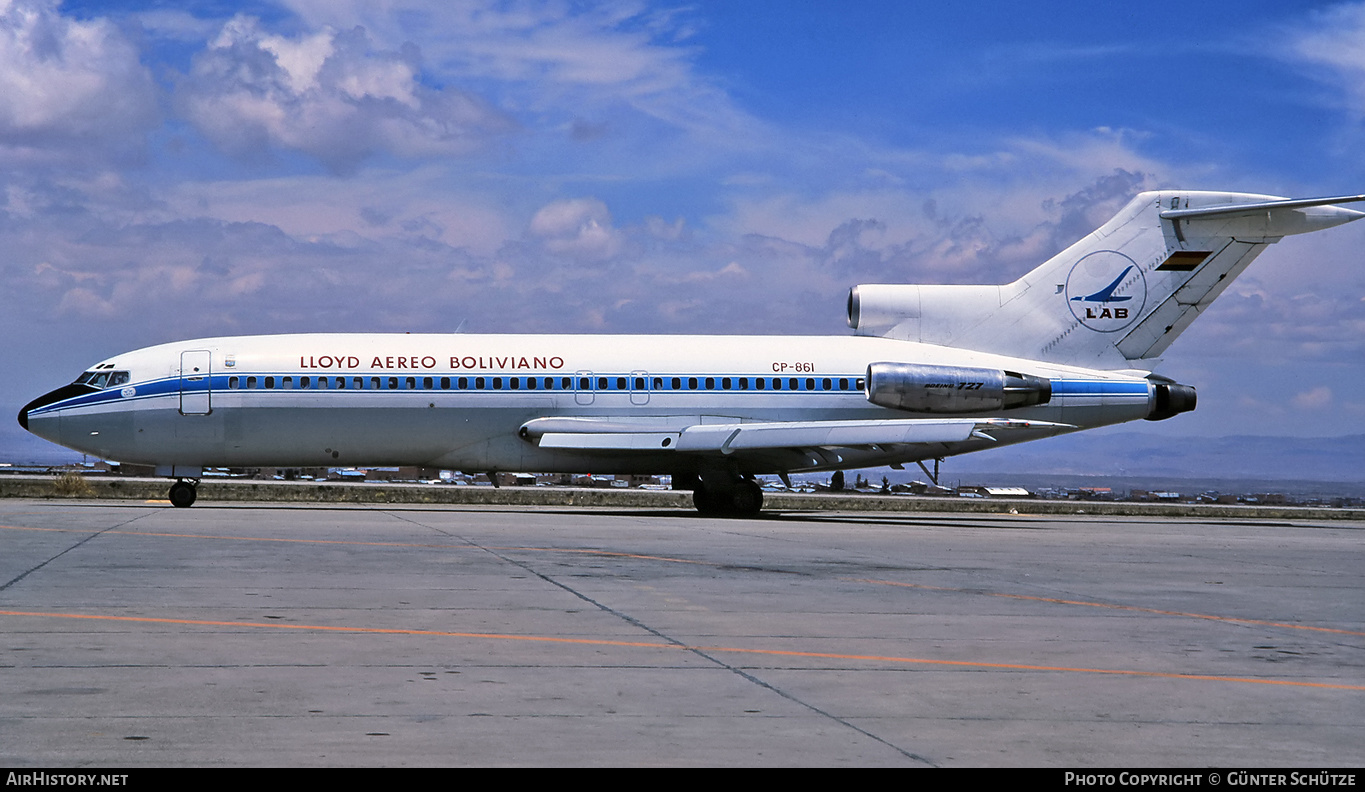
x: 64, y: 392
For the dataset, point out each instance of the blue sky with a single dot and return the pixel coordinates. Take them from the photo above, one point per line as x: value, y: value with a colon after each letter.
x: 172, y: 171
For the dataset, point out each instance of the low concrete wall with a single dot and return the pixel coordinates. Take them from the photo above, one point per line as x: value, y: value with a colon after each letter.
x: 337, y: 492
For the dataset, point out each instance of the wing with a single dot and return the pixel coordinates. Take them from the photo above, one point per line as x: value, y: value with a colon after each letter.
x: 785, y: 445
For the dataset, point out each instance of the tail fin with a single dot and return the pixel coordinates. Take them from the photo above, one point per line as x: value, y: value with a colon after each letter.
x: 1121, y: 294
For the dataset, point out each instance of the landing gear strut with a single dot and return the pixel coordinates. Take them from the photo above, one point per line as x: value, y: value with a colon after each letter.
x: 183, y: 493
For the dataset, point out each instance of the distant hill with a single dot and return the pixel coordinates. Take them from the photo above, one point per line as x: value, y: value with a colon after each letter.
x: 1135, y: 454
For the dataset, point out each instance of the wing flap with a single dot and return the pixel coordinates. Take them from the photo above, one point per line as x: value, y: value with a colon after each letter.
x: 589, y: 434
x: 728, y: 438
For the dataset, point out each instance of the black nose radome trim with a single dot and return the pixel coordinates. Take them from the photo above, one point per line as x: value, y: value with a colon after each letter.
x: 62, y: 393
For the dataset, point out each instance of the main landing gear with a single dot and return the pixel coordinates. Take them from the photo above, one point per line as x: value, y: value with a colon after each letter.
x: 183, y: 493
x: 730, y: 496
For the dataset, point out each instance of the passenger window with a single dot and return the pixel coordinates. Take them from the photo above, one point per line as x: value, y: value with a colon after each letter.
x: 251, y: 382
x: 269, y: 382
x: 445, y: 383
x: 743, y: 383
x: 232, y: 383
x: 676, y: 383
x: 426, y: 383
x: 620, y: 383
x: 497, y: 383
x: 463, y: 383
x: 825, y: 384
x: 710, y: 383
x: 691, y: 383
x: 843, y: 383
x: 639, y: 383
x: 410, y: 383
x: 810, y: 383
x: 514, y: 383
x: 531, y: 383
x: 305, y: 382
x: 393, y: 383
x: 479, y: 383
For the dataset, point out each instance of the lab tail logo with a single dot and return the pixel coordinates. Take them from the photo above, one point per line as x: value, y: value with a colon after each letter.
x: 1106, y: 291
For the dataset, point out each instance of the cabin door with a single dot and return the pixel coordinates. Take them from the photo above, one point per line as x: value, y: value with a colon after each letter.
x: 583, y: 391
x: 639, y: 387
x: 195, y: 380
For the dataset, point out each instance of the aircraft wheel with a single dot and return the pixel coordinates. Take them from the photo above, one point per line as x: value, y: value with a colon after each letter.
x: 744, y: 499
x: 747, y: 499
x: 707, y: 502
x: 182, y: 494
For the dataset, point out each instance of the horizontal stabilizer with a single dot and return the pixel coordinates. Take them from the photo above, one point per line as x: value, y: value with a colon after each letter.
x: 1262, y: 206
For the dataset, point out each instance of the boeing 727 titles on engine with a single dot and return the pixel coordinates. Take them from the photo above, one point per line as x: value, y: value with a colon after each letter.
x: 929, y: 372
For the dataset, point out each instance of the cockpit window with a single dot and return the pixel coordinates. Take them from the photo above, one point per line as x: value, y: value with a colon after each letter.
x: 103, y: 379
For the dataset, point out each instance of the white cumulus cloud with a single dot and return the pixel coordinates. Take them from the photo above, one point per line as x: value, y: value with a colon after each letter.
x: 330, y: 94
x: 580, y: 228
x: 1314, y: 399
x: 70, y: 89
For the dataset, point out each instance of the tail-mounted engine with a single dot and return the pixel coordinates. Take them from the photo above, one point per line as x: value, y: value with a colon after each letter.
x: 1169, y: 398
x: 952, y: 389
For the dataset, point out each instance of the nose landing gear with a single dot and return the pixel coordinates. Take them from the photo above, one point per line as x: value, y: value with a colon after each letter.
x: 183, y: 493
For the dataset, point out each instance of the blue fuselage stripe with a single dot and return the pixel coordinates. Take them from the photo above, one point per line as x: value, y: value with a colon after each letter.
x: 224, y: 383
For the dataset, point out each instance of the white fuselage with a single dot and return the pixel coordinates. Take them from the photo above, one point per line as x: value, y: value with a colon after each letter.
x: 457, y: 401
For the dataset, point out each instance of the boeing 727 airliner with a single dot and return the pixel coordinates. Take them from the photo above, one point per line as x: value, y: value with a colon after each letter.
x: 929, y: 372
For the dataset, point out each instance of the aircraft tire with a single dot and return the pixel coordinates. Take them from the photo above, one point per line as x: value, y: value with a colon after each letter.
x: 708, y: 502
x: 746, y: 500
x: 182, y: 494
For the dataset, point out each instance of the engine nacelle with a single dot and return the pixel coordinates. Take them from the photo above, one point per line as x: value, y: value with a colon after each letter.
x: 934, y: 314
x: 1170, y: 399
x: 952, y: 389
